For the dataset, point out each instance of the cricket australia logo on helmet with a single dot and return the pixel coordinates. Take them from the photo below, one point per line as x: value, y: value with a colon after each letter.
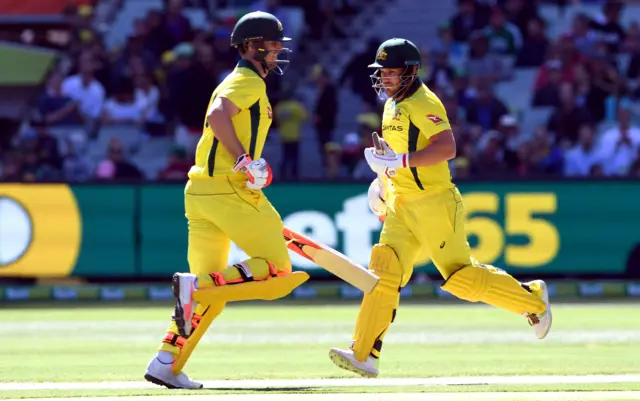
x: 382, y: 55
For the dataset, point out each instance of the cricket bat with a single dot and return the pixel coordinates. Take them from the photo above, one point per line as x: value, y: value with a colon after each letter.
x: 331, y: 260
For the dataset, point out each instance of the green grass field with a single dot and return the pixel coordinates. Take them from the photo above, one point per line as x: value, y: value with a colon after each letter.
x: 286, y: 342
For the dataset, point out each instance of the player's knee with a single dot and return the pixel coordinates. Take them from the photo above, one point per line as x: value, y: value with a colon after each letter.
x: 468, y: 283
x: 385, y: 264
x: 281, y: 266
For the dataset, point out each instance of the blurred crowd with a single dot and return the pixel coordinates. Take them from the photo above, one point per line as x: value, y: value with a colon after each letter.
x: 161, y: 79
x: 592, y: 100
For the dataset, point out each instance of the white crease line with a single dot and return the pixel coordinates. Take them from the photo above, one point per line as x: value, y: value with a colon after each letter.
x: 347, y: 382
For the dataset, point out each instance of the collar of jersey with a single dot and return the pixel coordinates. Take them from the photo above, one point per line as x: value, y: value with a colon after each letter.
x: 412, y: 89
x: 247, y: 64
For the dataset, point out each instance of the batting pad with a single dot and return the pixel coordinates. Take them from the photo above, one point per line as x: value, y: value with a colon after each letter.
x: 480, y: 283
x: 268, y: 290
x: 378, y: 307
x: 213, y: 311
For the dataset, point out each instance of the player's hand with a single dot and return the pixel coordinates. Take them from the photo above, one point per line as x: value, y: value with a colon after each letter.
x: 377, y: 201
x: 381, y: 148
x: 258, y: 171
x: 385, y: 164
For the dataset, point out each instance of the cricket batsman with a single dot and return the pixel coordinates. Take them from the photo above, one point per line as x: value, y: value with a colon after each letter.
x: 424, y: 212
x: 224, y: 202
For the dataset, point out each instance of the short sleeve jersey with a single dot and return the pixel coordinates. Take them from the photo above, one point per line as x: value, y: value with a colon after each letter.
x: 247, y: 90
x: 407, y: 126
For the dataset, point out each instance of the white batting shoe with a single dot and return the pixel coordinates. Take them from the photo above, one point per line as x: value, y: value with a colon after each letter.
x: 183, y: 285
x: 159, y: 372
x: 541, y: 323
x: 345, y: 359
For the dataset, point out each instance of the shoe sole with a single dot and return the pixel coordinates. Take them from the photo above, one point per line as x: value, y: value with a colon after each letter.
x: 345, y: 364
x: 178, y: 314
x: 159, y: 382
x: 545, y: 297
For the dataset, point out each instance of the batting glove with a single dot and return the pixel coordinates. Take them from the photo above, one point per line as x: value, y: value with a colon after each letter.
x: 258, y: 171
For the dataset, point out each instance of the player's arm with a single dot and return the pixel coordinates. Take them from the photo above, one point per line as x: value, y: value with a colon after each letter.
x: 442, y: 148
x: 219, y: 116
x: 234, y: 98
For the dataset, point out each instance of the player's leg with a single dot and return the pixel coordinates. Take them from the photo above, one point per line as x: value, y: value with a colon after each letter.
x: 392, y: 260
x: 207, y: 251
x: 440, y: 218
x: 255, y: 226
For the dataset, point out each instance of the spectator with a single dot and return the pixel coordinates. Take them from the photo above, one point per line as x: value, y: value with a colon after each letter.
x: 11, y: 167
x: 46, y: 146
x: 455, y: 112
x: 207, y: 59
x: 33, y: 170
x: 133, y: 60
x: 534, y: 46
x: 633, y: 38
x: 56, y: 108
x: 525, y: 165
x: 291, y: 115
x: 481, y: 63
x: 504, y: 38
x: 467, y: 20
x: 190, y: 88
x: 354, y: 144
x: 596, y: 171
x: 358, y: 72
x: 490, y: 161
x: 147, y: 97
x: 486, y: 109
x: 158, y: 38
x: 334, y: 169
x: 178, y: 166
x: 102, y: 63
x: 566, y: 120
x: 520, y: 13
x: 178, y: 26
x: 330, y: 26
x: 605, y: 82
x: 619, y: 145
x: 446, y: 44
x: 115, y: 166
x: 608, y: 26
x: 580, y: 159
x: 582, y: 36
x: 225, y: 55
x: 511, y: 139
x: 546, y: 157
x: 326, y: 107
x: 548, y: 95
x: 84, y: 89
x: 441, y: 74
x: 633, y: 70
x: 122, y: 107
x: 77, y: 166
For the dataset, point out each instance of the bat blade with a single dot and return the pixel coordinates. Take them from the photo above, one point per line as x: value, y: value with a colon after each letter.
x: 331, y: 260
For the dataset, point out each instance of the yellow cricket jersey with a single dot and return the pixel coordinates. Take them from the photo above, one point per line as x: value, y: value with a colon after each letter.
x: 407, y: 126
x: 247, y: 90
